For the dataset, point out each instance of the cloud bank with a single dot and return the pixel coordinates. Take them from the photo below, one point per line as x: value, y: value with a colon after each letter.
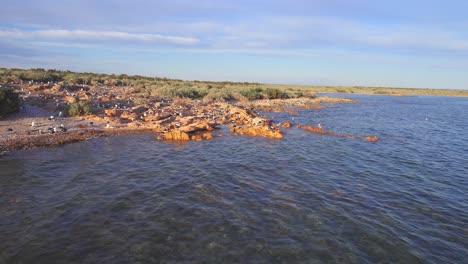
x: 86, y: 35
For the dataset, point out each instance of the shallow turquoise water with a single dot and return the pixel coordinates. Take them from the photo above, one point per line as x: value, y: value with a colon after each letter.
x: 307, y: 198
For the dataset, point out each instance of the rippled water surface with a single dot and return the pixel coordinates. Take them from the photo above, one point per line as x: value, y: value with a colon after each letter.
x: 307, y: 198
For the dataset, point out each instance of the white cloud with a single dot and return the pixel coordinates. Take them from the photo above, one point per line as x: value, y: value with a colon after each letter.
x: 273, y: 32
x: 317, y: 31
x: 86, y: 35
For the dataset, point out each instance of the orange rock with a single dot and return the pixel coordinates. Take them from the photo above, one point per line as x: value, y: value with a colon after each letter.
x: 259, y: 131
x: 371, y: 138
x: 315, y: 130
x: 111, y: 112
x: 207, y: 136
x: 201, y: 136
x: 197, y: 126
x: 174, y: 135
x: 70, y: 99
x: 55, y: 89
x: 287, y: 124
x: 197, y: 137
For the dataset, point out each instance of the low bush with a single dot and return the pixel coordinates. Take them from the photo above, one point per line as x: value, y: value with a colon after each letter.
x: 309, y: 94
x: 252, y: 93
x: 219, y: 95
x: 79, y: 108
x: 192, y: 93
x: 274, y: 93
x: 9, y: 101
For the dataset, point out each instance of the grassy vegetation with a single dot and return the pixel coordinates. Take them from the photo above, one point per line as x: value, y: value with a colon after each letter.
x: 143, y: 87
x: 373, y: 90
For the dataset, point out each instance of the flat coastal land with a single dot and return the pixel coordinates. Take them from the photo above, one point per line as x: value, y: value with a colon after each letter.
x: 56, y: 107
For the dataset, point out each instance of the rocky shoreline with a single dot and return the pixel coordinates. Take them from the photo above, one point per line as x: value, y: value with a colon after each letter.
x: 41, y: 123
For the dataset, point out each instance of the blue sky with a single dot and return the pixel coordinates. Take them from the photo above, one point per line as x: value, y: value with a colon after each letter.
x: 355, y: 42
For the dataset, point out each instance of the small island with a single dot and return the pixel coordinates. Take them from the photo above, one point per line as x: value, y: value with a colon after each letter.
x: 43, y: 108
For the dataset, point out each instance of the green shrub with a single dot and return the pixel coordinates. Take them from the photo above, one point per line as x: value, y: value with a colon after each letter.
x: 191, y: 93
x: 274, y: 93
x: 381, y: 92
x: 309, y: 94
x: 252, y: 93
x: 219, y: 95
x: 341, y: 91
x: 9, y: 101
x: 79, y: 108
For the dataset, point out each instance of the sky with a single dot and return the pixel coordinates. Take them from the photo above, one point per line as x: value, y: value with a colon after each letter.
x: 417, y: 43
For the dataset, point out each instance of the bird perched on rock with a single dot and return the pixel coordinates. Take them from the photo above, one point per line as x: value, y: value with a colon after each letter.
x: 51, y: 118
x: 32, y: 124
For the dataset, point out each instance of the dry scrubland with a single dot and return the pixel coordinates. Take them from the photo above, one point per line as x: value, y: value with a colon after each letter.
x: 208, y: 91
x: 47, y: 107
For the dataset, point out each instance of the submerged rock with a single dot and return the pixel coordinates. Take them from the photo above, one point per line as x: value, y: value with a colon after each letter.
x: 316, y: 130
x: 319, y: 130
x: 371, y: 138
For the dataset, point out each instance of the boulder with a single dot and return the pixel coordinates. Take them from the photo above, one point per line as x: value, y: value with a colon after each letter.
x: 258, y: 131
x: 111, y: 112
x: 201, y: 125
x: 287, y: 124
x: 201, y: 136
x: 174, y: 135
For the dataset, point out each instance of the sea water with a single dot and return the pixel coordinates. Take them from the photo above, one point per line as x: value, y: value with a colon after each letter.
x: 307, y: 198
